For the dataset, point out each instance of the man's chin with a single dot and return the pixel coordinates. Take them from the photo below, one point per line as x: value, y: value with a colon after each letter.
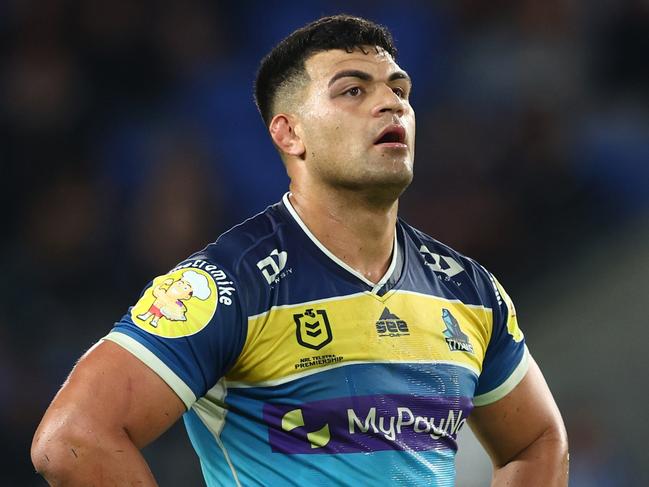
x: 384, y: 186
x: 394, y: 186
x: 397, y: 175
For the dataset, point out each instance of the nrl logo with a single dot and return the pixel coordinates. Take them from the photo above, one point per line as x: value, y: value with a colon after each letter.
x: 313, y: 328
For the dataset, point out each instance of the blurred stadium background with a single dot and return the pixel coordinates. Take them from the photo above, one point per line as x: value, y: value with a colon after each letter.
x: 128, y: 139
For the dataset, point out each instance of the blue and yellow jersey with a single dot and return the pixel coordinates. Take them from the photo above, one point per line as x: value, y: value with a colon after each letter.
x: 296, y: 370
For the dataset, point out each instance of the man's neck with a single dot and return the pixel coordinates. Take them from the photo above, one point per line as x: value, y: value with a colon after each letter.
x: 358, y: 232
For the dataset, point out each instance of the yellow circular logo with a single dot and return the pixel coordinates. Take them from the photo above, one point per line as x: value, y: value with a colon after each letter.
x: 178, y: 304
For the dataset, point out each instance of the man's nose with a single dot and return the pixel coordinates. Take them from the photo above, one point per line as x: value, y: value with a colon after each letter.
x: 388, y: 101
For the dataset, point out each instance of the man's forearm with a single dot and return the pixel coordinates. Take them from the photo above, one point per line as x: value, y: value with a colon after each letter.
x: 544, y: 464
x: 97, y: 459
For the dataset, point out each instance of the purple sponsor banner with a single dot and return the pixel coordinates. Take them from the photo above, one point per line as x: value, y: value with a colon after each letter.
x: 367, y: 424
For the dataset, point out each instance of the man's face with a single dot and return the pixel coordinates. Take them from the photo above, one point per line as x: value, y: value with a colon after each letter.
x: 356, y: 122
x: 180, y: 290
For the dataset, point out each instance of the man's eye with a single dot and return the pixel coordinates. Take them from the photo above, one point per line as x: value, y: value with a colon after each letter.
x: 400, y: 92
x: 354, y: 91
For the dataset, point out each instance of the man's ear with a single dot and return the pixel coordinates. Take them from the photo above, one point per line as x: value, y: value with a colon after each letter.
x: 282, y: 131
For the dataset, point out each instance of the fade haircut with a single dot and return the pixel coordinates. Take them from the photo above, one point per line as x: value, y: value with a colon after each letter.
x: 282, y: 69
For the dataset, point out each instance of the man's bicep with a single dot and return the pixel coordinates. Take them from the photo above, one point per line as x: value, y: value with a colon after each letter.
x: 112, y: 390
x: 508, y: 426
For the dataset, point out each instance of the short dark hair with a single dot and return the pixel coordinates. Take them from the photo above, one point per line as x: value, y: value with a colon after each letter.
x: 285, y: 61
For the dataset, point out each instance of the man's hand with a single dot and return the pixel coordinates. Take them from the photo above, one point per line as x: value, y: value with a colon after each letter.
x: 110, y: 407
x: 524, y: 435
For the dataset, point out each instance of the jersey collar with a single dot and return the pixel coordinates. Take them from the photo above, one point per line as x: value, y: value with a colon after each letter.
x: 375, y: 288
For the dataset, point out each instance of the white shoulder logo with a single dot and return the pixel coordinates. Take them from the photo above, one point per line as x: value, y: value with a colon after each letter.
x: 273, y: 265
x: 441, y: 263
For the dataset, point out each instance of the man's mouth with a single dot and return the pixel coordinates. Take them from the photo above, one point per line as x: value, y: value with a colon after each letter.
x: 392, y: 136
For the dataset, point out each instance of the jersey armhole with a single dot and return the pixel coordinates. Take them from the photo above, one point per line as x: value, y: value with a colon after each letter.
x: 129, y: 343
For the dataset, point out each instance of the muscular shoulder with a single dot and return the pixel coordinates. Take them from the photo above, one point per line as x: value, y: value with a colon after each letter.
x: 250, y: 254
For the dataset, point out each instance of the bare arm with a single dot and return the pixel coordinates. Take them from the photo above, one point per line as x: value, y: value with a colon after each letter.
x: 161, y: 289
x: 524, y: 435
x: 111, y: 406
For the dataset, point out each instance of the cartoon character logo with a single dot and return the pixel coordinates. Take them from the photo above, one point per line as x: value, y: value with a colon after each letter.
x: 178, y: 304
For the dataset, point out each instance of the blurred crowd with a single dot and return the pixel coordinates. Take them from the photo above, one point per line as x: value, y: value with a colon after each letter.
x: 129, y: 139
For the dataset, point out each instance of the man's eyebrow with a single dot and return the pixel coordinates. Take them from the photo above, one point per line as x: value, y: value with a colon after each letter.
x: 355, y: 73
x: 350, y: 73
x: 400, y: 75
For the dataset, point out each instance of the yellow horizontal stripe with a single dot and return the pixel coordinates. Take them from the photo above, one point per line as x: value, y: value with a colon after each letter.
x: 380, y: 298
x: 273, y: 353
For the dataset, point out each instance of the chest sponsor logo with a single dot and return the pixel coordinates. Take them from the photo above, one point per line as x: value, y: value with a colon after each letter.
x: 312, y: 328
x: 295, y: 419
x: 272, y: 266
x: 177, y: 304
x: 367, y: 424
x: 456, y: 339
x: 390, y: 325
x: 441, y: 263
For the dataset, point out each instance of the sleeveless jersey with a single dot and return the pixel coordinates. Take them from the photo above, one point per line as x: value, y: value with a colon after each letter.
x: 296, y: 370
